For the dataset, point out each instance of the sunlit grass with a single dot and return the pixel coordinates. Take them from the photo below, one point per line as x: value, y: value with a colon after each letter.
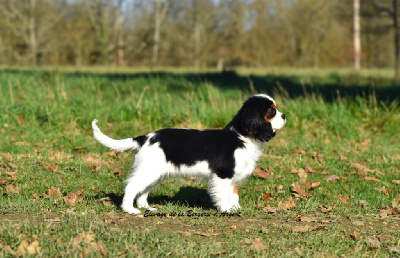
x: 47, y: 140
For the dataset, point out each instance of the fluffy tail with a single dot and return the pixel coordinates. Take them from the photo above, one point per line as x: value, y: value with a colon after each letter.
x: 118, y: 145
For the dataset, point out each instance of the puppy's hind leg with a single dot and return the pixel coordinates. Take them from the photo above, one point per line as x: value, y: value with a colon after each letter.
x: 141, y: 200
x: 139, y: 185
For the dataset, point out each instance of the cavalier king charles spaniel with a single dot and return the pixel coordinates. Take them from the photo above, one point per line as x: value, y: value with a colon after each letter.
x: 225, y: 156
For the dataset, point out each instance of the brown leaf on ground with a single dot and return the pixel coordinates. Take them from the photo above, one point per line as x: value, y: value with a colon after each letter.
x: 365, y: 142
x: 394, y: 249
x: 319, y: 157
x: 395, y: 202
x: 355, y: 236
x: 383, y: 190
x: 53, y: 191
x: 262, y: 173
x: 11, y: 188
x: 270, y: 209
x: 72, y: 198
x: 79, y: 149
x: 332, y: 178
x: 307, y: 219
x: 344, y: 199
x: 312, y: 185
x: 25, y: 248
x: 6, y: 156
x: 51, y: 167
x: 309, y: 169
x: 287, y: 204
x: 12, y: 175
x: 343, y: 158
x: 397, y: 182
x: 3, y: 182
x: 280, y: 189
x: 266, y: 195
x: 362, y: 168
x: 371, y: 178
x: 325, y: 209
x: 306, y: 228
x: 300, y: 189
x: 386, y: 211
x: 299, y: 152
x: 111, y: 154
x: 257, y: 244
x: 116, y: 170
x: 373, y: 243
x: 362, y: 204
x: 302, y: 176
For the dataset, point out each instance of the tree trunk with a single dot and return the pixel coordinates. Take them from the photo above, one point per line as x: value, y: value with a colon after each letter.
x: 396, y: 13
x: 357, y: 40
x: 159, y: 15
x: 32, y: 33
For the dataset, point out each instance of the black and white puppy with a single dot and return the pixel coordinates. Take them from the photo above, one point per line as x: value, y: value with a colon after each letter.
x: 225, y: 156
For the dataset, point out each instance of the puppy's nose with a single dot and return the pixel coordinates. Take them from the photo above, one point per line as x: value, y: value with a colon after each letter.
x: 283, y: 116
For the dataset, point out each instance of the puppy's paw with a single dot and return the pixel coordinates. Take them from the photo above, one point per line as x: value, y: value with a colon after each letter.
x: 131, y: 210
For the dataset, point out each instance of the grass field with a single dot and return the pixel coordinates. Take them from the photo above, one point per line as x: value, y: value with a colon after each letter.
x: 328, y: 184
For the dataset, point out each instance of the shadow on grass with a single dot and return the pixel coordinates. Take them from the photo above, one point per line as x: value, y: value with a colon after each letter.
x: 330, y: 87
x: 186, y: 196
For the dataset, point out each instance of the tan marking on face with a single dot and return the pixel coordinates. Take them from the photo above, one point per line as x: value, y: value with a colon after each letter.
x: 269, y: 120
x: 236, y: 189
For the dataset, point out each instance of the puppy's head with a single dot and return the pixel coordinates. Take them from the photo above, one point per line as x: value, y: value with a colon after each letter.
x: 259, y: 118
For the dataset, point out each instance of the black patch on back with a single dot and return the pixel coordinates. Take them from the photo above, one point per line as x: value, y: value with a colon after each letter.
x: 140, y: 139
x: 188, y: 146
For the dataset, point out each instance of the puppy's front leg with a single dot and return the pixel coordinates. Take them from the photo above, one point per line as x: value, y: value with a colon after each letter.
x: 235, y: 197
x: 220, y: 192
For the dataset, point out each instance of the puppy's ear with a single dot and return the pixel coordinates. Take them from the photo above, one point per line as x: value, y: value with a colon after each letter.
x: 255, y: 126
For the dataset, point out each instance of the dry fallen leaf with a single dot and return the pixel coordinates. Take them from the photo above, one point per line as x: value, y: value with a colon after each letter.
x: 79, y: 149
x: 11, y: 188
x: 262, y: 173
x: 395, y: 202
x: 355, y: 236
x: 299, y: 152
x: 309, y: 169
x: 312, y: 185
x: 53, y: 191
x: 394, y: 249
x: 266, y: 195
x: 257, y: 244
x: 72, y: 198
x: 362, y: 168
x: 28, y: 248
x: 332, y: 178
x: 12, y: 175
x: 371, y: 178
x: 325, y: 209
x: 51, y: 167
x: 374, y: 243
x: 396, y: 182
x: 319, y: 157
x: 287, y: 204
x: 306, y: 228
x: 302, y: 174
x: 116, y: 170
x: 299, y: 189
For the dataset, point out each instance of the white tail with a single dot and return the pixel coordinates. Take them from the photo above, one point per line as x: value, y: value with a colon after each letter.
x: 118, y: 145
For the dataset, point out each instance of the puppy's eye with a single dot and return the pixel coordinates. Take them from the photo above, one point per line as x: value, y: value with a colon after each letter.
x: 271, y: 111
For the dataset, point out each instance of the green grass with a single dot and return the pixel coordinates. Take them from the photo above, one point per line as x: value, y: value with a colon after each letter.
x: 339, y: 123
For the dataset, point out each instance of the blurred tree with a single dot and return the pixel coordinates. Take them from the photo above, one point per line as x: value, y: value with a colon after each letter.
x: 29, y: 23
